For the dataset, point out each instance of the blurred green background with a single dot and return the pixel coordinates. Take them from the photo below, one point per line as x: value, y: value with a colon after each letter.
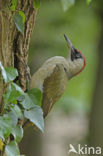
x: 82, y: 24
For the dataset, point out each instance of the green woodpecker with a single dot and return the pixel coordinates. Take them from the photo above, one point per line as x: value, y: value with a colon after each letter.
x: 52, y: 77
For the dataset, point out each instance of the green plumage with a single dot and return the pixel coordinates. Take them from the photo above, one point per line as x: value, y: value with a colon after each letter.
x: 52, y: 77
x: 53, y: 88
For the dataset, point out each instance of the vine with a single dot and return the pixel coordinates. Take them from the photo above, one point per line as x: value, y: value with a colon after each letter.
x: 18, y: 107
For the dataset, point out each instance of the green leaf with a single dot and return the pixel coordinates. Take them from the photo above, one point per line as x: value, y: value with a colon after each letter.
x: 15, y: 88
x: 18, y: 20
x: 8, y: 73
x: 88, y: 1
x: 13, y: 92
x: 12, y: 8
x: 11, y: 73
x: 12, y: 149
x: 14, y: 2
x: 67, y: 4
x: 17, y: 132
x: 17, y: 111
x: 36, y: 95
x: 31, y: 98
x: 36, y: 4
x: 3, y: 72
x: 35, y: 115
x: 21, y: 13
x: 15, y: 114
x: 5, y: 126
x: 13, y: 5
x: 13, y: 117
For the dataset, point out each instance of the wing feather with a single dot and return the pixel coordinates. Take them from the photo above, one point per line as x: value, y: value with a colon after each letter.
x: 53, y: 88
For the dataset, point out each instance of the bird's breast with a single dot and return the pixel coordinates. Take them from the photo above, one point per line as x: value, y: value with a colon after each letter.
x: 46, y: 70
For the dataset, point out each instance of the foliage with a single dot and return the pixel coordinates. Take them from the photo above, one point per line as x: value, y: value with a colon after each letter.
x: 66, y: 4
x: 69, y: 3
x: 35, y: 115
x: 18, y: 106
x: 88, y: 1
x: 18, y: 19
x: 36, y: 4
x: 19, y: 15
x: 12, y: 149
x: 13, y: 5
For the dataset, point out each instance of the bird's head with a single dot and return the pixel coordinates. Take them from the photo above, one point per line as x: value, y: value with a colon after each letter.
x: 76, y: 59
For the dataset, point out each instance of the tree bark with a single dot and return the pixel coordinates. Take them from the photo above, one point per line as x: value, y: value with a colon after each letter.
x: 13, y: 44
x: 96, y: 123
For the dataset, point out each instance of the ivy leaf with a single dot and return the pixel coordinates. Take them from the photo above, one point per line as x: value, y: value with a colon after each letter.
x: 12, y: 149
x: 31, y: 98
x: 67, y: 4
x: 36, y: 4
x: 8, y: 73
x: 18, y: 111
x: 17, y: 132
x: 13, y: 117
x: 5, y: 126
x: 14, y: 4
x: 35, y: 115
x: 13, y: 92
x: 21, y: 13
x: 1, y: 145
x: 16, y: 89
x: 36, y: 95
x: 11, y: 73
x: 15, y: 114
x: 3, y: 72
x: 18, y: 20
x: 12, y: 8
x: 88, y: 1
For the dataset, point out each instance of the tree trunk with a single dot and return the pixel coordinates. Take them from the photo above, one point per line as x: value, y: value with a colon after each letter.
x: 96, y: 121
x: 13, y: 44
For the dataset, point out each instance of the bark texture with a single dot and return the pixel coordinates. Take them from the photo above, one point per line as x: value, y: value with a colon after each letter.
x: 13, y: 44
x: 21, y: 42
x: 7, y: 33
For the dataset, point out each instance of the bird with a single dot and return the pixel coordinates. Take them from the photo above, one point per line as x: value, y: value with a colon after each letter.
x: 53, y: 76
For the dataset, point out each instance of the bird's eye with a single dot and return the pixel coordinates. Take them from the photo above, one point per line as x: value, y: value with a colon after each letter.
x: 75, y: 54
x: 78, y: 55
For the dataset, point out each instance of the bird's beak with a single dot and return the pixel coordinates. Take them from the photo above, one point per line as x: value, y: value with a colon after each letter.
x: 70, y: 46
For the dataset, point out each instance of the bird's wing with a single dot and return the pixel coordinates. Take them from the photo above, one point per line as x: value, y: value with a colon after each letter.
x: 53, y: 88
